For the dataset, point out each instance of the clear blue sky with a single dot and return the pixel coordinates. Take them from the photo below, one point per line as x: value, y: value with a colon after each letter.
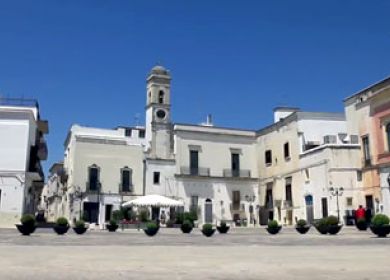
x: 86, y: 61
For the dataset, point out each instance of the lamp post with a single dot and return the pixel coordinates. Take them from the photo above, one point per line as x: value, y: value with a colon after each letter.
x: 337, y: 192
x: 251, y: 199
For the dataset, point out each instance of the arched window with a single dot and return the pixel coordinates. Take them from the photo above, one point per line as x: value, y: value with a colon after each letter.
x: 126, y: 179
x: 388, y: 136
x: 161, y: 97
x: 93, y: 177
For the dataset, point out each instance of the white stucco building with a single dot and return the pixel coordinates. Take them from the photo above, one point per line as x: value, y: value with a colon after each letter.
x: 284, y: 171
x: 22, y: 147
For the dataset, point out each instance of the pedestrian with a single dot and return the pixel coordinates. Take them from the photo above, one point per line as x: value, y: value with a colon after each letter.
x: 360, y: 213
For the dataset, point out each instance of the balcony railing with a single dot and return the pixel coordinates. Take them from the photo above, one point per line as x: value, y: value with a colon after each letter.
x: 287, y: 204
x: 22, y: 102
x: 190, y: 171
x: 236, y: 173
x: 93, y: 188
x: 126, y: 189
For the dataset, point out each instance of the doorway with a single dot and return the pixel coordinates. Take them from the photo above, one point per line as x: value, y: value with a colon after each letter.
x: 91, y: 212
x: 309, y: 209
x: 324, y: 202
x: 108, y: 213
x: 208, y: 211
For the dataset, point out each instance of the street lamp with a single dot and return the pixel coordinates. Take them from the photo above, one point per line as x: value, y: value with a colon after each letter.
x: 251, y: 199
x: 337, y: 192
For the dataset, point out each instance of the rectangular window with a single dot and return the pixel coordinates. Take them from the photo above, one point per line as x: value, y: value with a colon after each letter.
x: 359, y: 175
x: 349, y: 201
x: 156, y: 178
x: 236, y: 200
x: 269, y: 201
x: 126, y: 180
x: 128, y: 132
x: 235, y: 165
x: 194, y: 162
x: 324, y: 202
x: 288, y: 190
x: 366, y: 150
x: 268, y: 157
x: 0, y: 198
x: 287, y: 150
x: 93, y: 178
x: 141, y: 134
x: 194, y: 204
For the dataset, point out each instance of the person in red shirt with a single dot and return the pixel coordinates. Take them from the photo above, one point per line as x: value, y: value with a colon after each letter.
x: 360, y: 213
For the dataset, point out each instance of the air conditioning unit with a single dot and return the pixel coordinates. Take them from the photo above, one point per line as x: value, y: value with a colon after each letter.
x: 330, y: 139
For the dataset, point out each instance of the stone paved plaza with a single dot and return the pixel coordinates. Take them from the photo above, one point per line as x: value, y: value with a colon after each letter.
x: 242, y: 254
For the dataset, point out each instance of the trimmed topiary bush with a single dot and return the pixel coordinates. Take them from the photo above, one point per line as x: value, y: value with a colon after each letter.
x: 302, y: 227
x: 62, y: 226
x: 187, y: 227
x: 380, y: 225
x: 80, y: 227
x: 112, y: 226
x: 273, y: 227
x: 151, y: 229
x: 208, y: 230
x: 28, y: 224
x: 380, y: 220
x: 223, y: 228
x: 361, y: 224
x: 322, y: 226
x: 332, y: 221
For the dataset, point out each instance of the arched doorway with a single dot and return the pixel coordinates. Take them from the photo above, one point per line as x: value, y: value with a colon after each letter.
x: 309, y: 209
x: 208, y: 211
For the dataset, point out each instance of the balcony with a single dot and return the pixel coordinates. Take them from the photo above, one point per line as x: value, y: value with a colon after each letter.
x: 236, y: 173
x: 126, y: 190
x: 287, y: 204
x: 42, y: 150
x: 190, y: 171
x: 93, y: 188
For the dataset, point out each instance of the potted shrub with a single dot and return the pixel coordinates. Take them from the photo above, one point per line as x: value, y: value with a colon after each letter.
x: 151, y: 229
x: 302, y: 227
x: 334, y: 226
x: 80, y: 227
x: 112, y: 226
x: 208, y: 230
x: 361, y: 224
x: 273, y: 227
x: 187, y: 227
x: 62, y: 226
x: 322, y: 226
x: 380, y: 225
x: 28, y: 224
x: 223, y: 228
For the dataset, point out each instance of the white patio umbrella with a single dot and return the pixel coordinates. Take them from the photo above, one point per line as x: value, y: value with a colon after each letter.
x: 153, y: 200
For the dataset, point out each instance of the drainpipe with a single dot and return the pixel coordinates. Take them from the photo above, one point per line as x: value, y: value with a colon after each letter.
x: 144, y: 178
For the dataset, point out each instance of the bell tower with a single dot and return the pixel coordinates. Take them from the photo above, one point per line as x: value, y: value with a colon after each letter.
x: 158, y: 113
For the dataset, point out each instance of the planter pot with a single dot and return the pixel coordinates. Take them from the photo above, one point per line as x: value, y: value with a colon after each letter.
x: 274, y: 230
x: 80, y: 231
x: 25, y: 229
x: 323, y: 229
x: 381, y: 231
x: 334, y: 229
x: 303, y: 230
x: 223, y: 230
x: 186, y: 230
x: 61, y: 230
x: 151, y: 232
x: 208, y: 233
x: 362, y: 226
x: 112, y: 228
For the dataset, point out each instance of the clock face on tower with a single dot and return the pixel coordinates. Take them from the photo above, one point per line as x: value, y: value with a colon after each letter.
x: 161, y: 114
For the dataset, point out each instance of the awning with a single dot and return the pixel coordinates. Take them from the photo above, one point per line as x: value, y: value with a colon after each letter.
x: 154, y: 201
